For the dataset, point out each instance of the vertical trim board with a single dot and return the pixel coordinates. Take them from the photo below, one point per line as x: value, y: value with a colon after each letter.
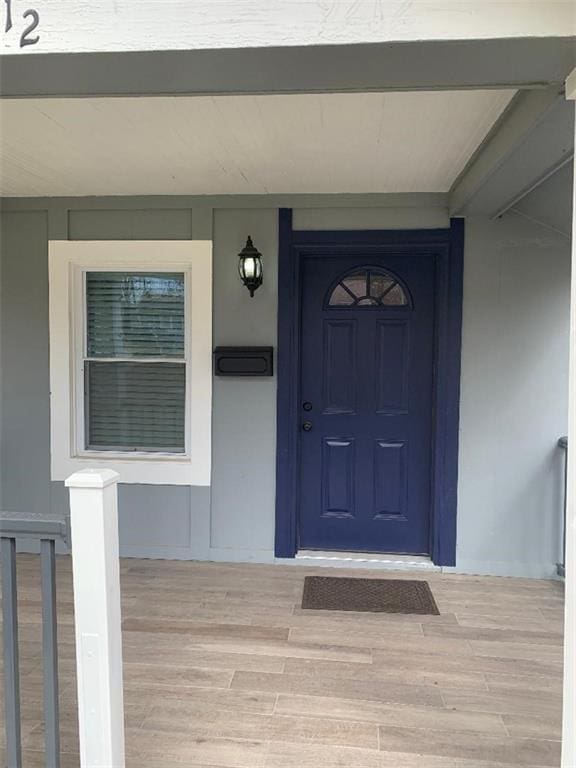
x: 288, y: 366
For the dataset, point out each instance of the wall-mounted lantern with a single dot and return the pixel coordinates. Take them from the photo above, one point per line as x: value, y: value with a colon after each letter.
x: 250, y: 266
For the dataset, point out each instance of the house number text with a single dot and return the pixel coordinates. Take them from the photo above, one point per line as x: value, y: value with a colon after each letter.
x: 30, y: 21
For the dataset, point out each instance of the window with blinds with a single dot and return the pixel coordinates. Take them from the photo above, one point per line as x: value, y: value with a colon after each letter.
x: 135, y: 362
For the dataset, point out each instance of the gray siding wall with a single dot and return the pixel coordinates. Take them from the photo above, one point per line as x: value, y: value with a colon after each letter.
x: 514, y: 397
x: 24, y: 362
x: 514, y: 377
x: 244, y: 417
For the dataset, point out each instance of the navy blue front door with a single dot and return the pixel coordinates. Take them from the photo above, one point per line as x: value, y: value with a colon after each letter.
x: 366, y: 403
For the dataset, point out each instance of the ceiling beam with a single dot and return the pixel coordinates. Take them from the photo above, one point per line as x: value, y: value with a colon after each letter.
x: 571, y: 86
x: 533, y: 139
x: 533, y: 186
x: 407, y: 66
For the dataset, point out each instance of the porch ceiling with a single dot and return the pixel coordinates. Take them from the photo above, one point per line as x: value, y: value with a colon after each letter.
x: 305, y: 143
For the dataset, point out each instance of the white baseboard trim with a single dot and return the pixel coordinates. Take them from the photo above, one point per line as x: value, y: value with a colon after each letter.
x: 352, y: 560
x: 504, y: 568
x: 157, y: 553
x: 361, y: 560
x: 263, y: 556
x: 325, y: 560
x: 214, y: 555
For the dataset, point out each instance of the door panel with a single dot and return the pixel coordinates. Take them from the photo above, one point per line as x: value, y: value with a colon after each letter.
x: 338, y: 474
x: 390, y: 479
x: 366, y: 379
x: 392, y: 354
x: 339, y: 356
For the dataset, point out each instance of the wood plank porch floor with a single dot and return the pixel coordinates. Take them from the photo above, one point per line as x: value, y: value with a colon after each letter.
x: 223, y: 669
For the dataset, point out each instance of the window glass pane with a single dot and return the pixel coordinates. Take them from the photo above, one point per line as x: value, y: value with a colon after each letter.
x: 379, y: 284
x: 368, y: 287
x: 135, y: 314
x: 357, y: 284
x: 341, y: 298
x: 135, y: 406
x: 395, y: 297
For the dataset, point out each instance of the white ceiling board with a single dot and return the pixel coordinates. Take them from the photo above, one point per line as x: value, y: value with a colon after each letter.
x: 305, y: 143
x: 143, y: 25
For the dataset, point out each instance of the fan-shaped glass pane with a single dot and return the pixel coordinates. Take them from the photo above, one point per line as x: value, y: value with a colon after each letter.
x: 341, y: 298
x: 368, y: 288
x: 356, y: 284
x: 379, y: 284
x: 395, y: 296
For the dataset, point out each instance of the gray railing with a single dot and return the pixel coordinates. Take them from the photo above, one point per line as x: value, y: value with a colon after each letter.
x: 563, y: 445
x: 47, y: 530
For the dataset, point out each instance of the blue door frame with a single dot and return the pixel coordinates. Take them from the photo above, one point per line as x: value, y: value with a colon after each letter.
x: 446, y: 247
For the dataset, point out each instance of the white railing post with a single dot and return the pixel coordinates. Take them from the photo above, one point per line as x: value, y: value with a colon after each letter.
x: 96, y: 568
x: 569, y: 719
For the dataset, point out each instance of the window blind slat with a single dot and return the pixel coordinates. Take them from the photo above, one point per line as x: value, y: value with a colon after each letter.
x: 135, y: 406
x: 140, y: 405
x: 135, y: 314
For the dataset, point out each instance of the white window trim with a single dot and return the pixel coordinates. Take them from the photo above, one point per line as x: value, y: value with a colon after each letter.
x: 68, y: 262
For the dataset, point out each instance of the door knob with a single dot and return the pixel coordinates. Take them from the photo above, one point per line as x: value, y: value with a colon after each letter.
x: 307, y: 426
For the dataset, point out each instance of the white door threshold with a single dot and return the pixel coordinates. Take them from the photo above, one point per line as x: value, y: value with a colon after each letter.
x: 366, y: 560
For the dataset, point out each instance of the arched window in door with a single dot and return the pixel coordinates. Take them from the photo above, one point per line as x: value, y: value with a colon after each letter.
x: 368, y: 287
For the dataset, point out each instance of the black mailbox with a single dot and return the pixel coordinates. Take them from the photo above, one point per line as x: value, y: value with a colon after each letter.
x: 243, y: 361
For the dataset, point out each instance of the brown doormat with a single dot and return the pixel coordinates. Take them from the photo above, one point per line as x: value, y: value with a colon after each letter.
x: 331, y: 593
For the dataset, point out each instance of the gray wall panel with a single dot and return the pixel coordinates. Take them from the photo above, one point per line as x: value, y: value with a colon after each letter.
x: 24, y: 364
x: 244, y: 418
x: 401, y: 217
x: 155, y: 521
x: 154, y: 516
x: 130, y: 225
x: 514, y: 396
